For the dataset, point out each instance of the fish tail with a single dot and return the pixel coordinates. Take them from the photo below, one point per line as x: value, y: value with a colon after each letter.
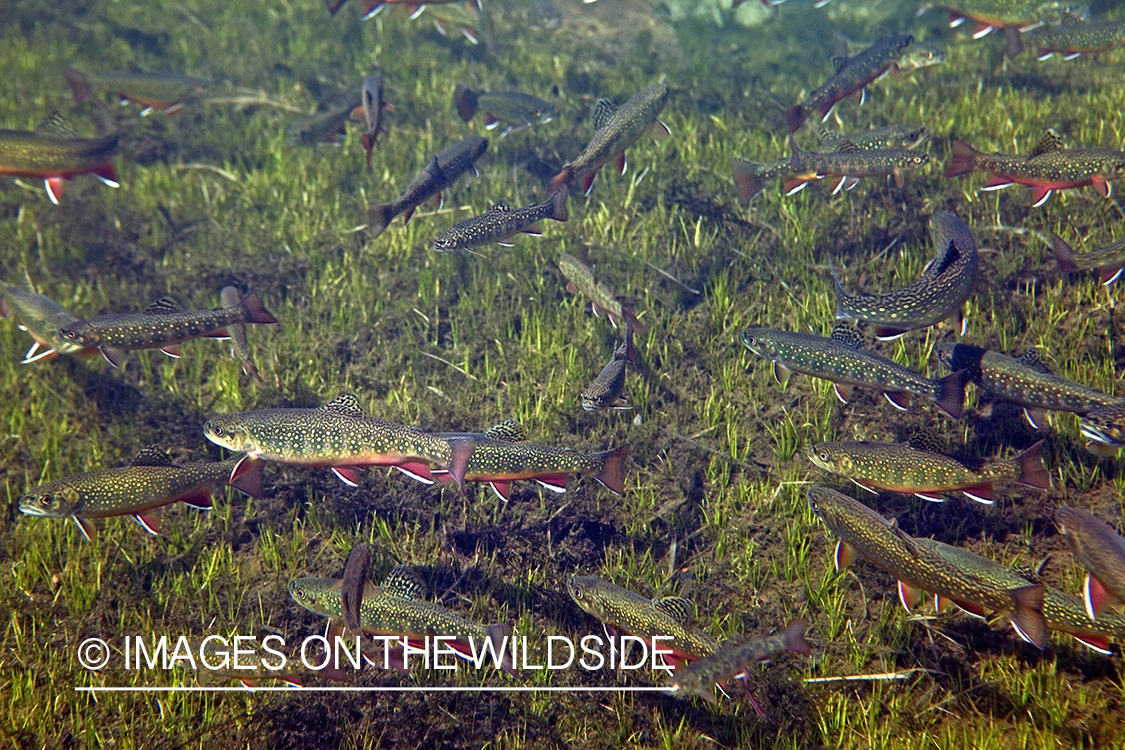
x: 612, y: 475
x: 1064, y: 254
x: 963, y: 161
x: 1014, y: 41
x: 630, y: 352
x: 459, y: 452
x: 841, y: 295
x: 795, y: 117
x: 79, y: 86
x: 558, y: 206
x: 1031, y: 471
x: 746, y: 179
x: 371, y: 7
x: 465, y: 101
x: 1028, y: 616
x: 562, y: 180
x: 500, y: 635
x: 246, y: 477
x: 950, y: 393
x: 795, y: 637
x: 255, y: 309
x: 378, y: 217
x: 627, y: 305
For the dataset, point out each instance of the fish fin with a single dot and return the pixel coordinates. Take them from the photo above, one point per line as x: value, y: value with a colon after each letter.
x: 963, y: 160
x: 561, y: 180
x: 500, y: 207
x: 554, y: 482
x: 845, y: 555
x: 571, y: 287
x: 621, y: 163
x: 407, y: 214
x: 746, y: 179
x: 405, y: 582
x: 460, y: 451
x: 982, y: 30
x: 997, y: 182
x: 1101, y: 185
x: 505, y: 243
x: 1109, y: 274
x: 604, y: 109
x: 247, y: 476
x: 418, y: 471
x: 107, y: 173
x: 55, y: 188
x: 677, y: 607
x: 1032, y: 361
x: 378, y: 217
x: 79, y: 86
x: 795, y: 118
x: 152, y: 455
x: 794, y: 185
x: 1099, y: 643
x: 502, y: 488
x: 163, y: 306
x: 929, y: 498
x: 1014, y: 41
x: 863, y: 486
x: 909, y: 596
x: 500, y: 636
x: 942, y: 604
x: 1035, y: 417
x: 255, y: 309
x: 370, y: 8
x: 173, y: 350
x: 861, y: 96
x: 558, y: 207
x: 1049, y: 143
x: 950, y: 393
x: 346, y: 404
x: 889, y: 333
x: 898, y: 399
x: 439, y: 200
x: 781, y: 374
x: 612, y: 475
x: 1097, y: 596
x: 509, y: 431
x: 982, y: 493
x: 839, y: 185
x: 149, y: 521
x: 1102, y: 449
x: 588, y: 183
x: 87, y: 527
x: 1031, y: 468
x: 839, y: 62
x: 349, y: 475
x: 1040, y: 194
x: 660, y: 131
x: 1028, y: 619
x: 465, y: 101
x: 843, y: 392
x: 199, y: 501
x: 970, y: 608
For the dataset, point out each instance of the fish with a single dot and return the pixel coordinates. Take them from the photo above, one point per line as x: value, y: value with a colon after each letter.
x: 1049, y: 167
x: 901, y: 468
x: 1025, y: 380
x: 841, y: 359
x: 1010, y: 16
x: 1104, y: 428
x: 1101, y: 550
x: 862, y: 532
x: 605, y: 391
x: 502, y: 454
x: 151, y: 481
x: 155, y: 91
x: 41, y: 317
x: 338, y: 436
x: 162, y: 325
x: 54, y: 153
x: 1063, y: 612
x: 373, y: 107
x: 514, y: 109
x: 1108, y: 260
x: 323, y: 127
x: 500, y: 222
x: 230, y: 297
x: 921, y: 55
x: 852, y: 76
x: 442, y: 171
x: 353, y: 584
x: 902, y: 135
x: 397, y: 609
x: 750, y: 177
x: 620, y: 610
x: 581, y: 279
x: 469, y: 16
x: 849, y: 163
x: 1073, y: 37
x: 939, y: 293
x: 413, y: 7
x: 730, y: 660
x: 615, y: 129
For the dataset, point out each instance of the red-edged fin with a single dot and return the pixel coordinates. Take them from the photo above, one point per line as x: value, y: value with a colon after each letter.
x: 845, y: 555
x: 418, y: 471
x: 929, y: 497
x: 349, y: 475
x: 1031, y: 468
x: 489, y: 121
x: 561, y: 180
x: 781, y: 374
x: 909, y: 596
x: 55, y: 188
x: 87, y: 527
x: 371, y: 7
x: 950, y: 395
x: 843, y: 392
x: 173, y: 350
x: 955, y: 19
x: 889, y: 333
x: 864, y: 487
x: 1099, y: 643
x: 255, y: 310
x: 898, y: 399
x: 969, y: 608
x: 1109, y: 274
x: 942, y: 603
x: 149, y: 521
x: 502, y: 488
x: 588, y: 182
x: 114, y: 356
x: 745, y: 179
x: 1035, y: 417
x: 793, y: 184
x: 1028, y: 619
x: 407, y: 214
x: 1040, y: 194
x: 1097, y: 596
x: 460, y: 451
x: 963, y: 160
x: 247, y: 475
x: 612, y: 475
x: 554, y: 482
x: 982, y: 493
x: 621, y: 163
x: 500, y: 636
x: 982, y: 30
x: 795, y: 118
x: 996, y: 182
x: 1101, y: 185
x: 199, y: 501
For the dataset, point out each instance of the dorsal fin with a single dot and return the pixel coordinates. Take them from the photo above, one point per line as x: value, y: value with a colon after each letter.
x: 927, y: 440
x: 163, y: 306
x: 500, y: 206
x: 824, y: 134
x: 1048, y: 143
x: 846, y: 333
x: 676, y: 607
x: 840, y: 62
x: 1067, y: 18
x: 603, y: 110
x: 950, y: 254
x: 56, y: 126
x: 153, y: 455
x: 347, y: 404
x: 847, y: 147
x: 404, y: 582
x: 1031, y: 361
x: 509, y: 431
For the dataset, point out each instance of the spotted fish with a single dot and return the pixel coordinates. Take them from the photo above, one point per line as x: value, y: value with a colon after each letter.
x: 329, y: 126
x: 903, y: 135
x: 499, y: 223
x: 339, y: 436
x: 514, y: 109
x: 938, y: 294
x: 156, y: 91
x: 1108, y: 260
x: 1010, y: 16
x: 163, y: 325
x: 1099, y: 549
x: 1074, y: 37
x: 150, y: 482
x: 862, y: 532
x: 605, y: 391
x: 41, y: 317
x: 1104, y: 428
x: 54, y: 153
x: 581, y: 280
x: 1049, y: 167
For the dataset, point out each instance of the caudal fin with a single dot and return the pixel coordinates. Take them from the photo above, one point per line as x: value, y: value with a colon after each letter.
x: 562, y: 180
x: 378, y: 217
x: 1031, y: 468
x: 465, y: 101
x: 612, y: 475
x: 246, y: 477
x: 460, y: 450
x: 79, y: 86
x: 1028, y: 619
x: 795, y: 637
x: 500, y: 636
x: 795, y: 118
x: 1064, y: 254
x: 950, y: 394
x: 255, y: 309
x: 558, y: 206
x: 746, y: 179
x: 963, y: 161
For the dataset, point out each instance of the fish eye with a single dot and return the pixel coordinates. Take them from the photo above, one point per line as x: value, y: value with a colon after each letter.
x: 45, y: 500
x: 823, y: 455
x: 300, y: 593
x: 217, y: 430
x: 579, y: 594
x: 751, y: 341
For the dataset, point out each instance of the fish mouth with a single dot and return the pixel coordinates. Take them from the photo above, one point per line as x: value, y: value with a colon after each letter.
x: 1091, y: 432
x: 34, y: 510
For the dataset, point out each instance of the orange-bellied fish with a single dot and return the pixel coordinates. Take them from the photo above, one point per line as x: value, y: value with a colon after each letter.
x: 397, y: 609
x: 1075, y: 36
x: 444, y: 168
x: 849, y: 164
x: 515, y: 109
x: 619, y: 609
x: 1049, y: 167
x: 162, y: 91
x: 500, y: 222
x: 863, y: 532
x: 1011, y: 16
x: 852, y: 76
x: 41, y: 317
x: 53, y: 152
x: 502, y: 455
x: 373, y: 107
x: 339, y: 436
x: 841, y: 359
x: 580, y: 279
x: 616, y: 128
x: 163, y: 325
x: 1108, y: 260
x: 1099, y: 549
x: 939, y: 293
x: 150, y: 482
